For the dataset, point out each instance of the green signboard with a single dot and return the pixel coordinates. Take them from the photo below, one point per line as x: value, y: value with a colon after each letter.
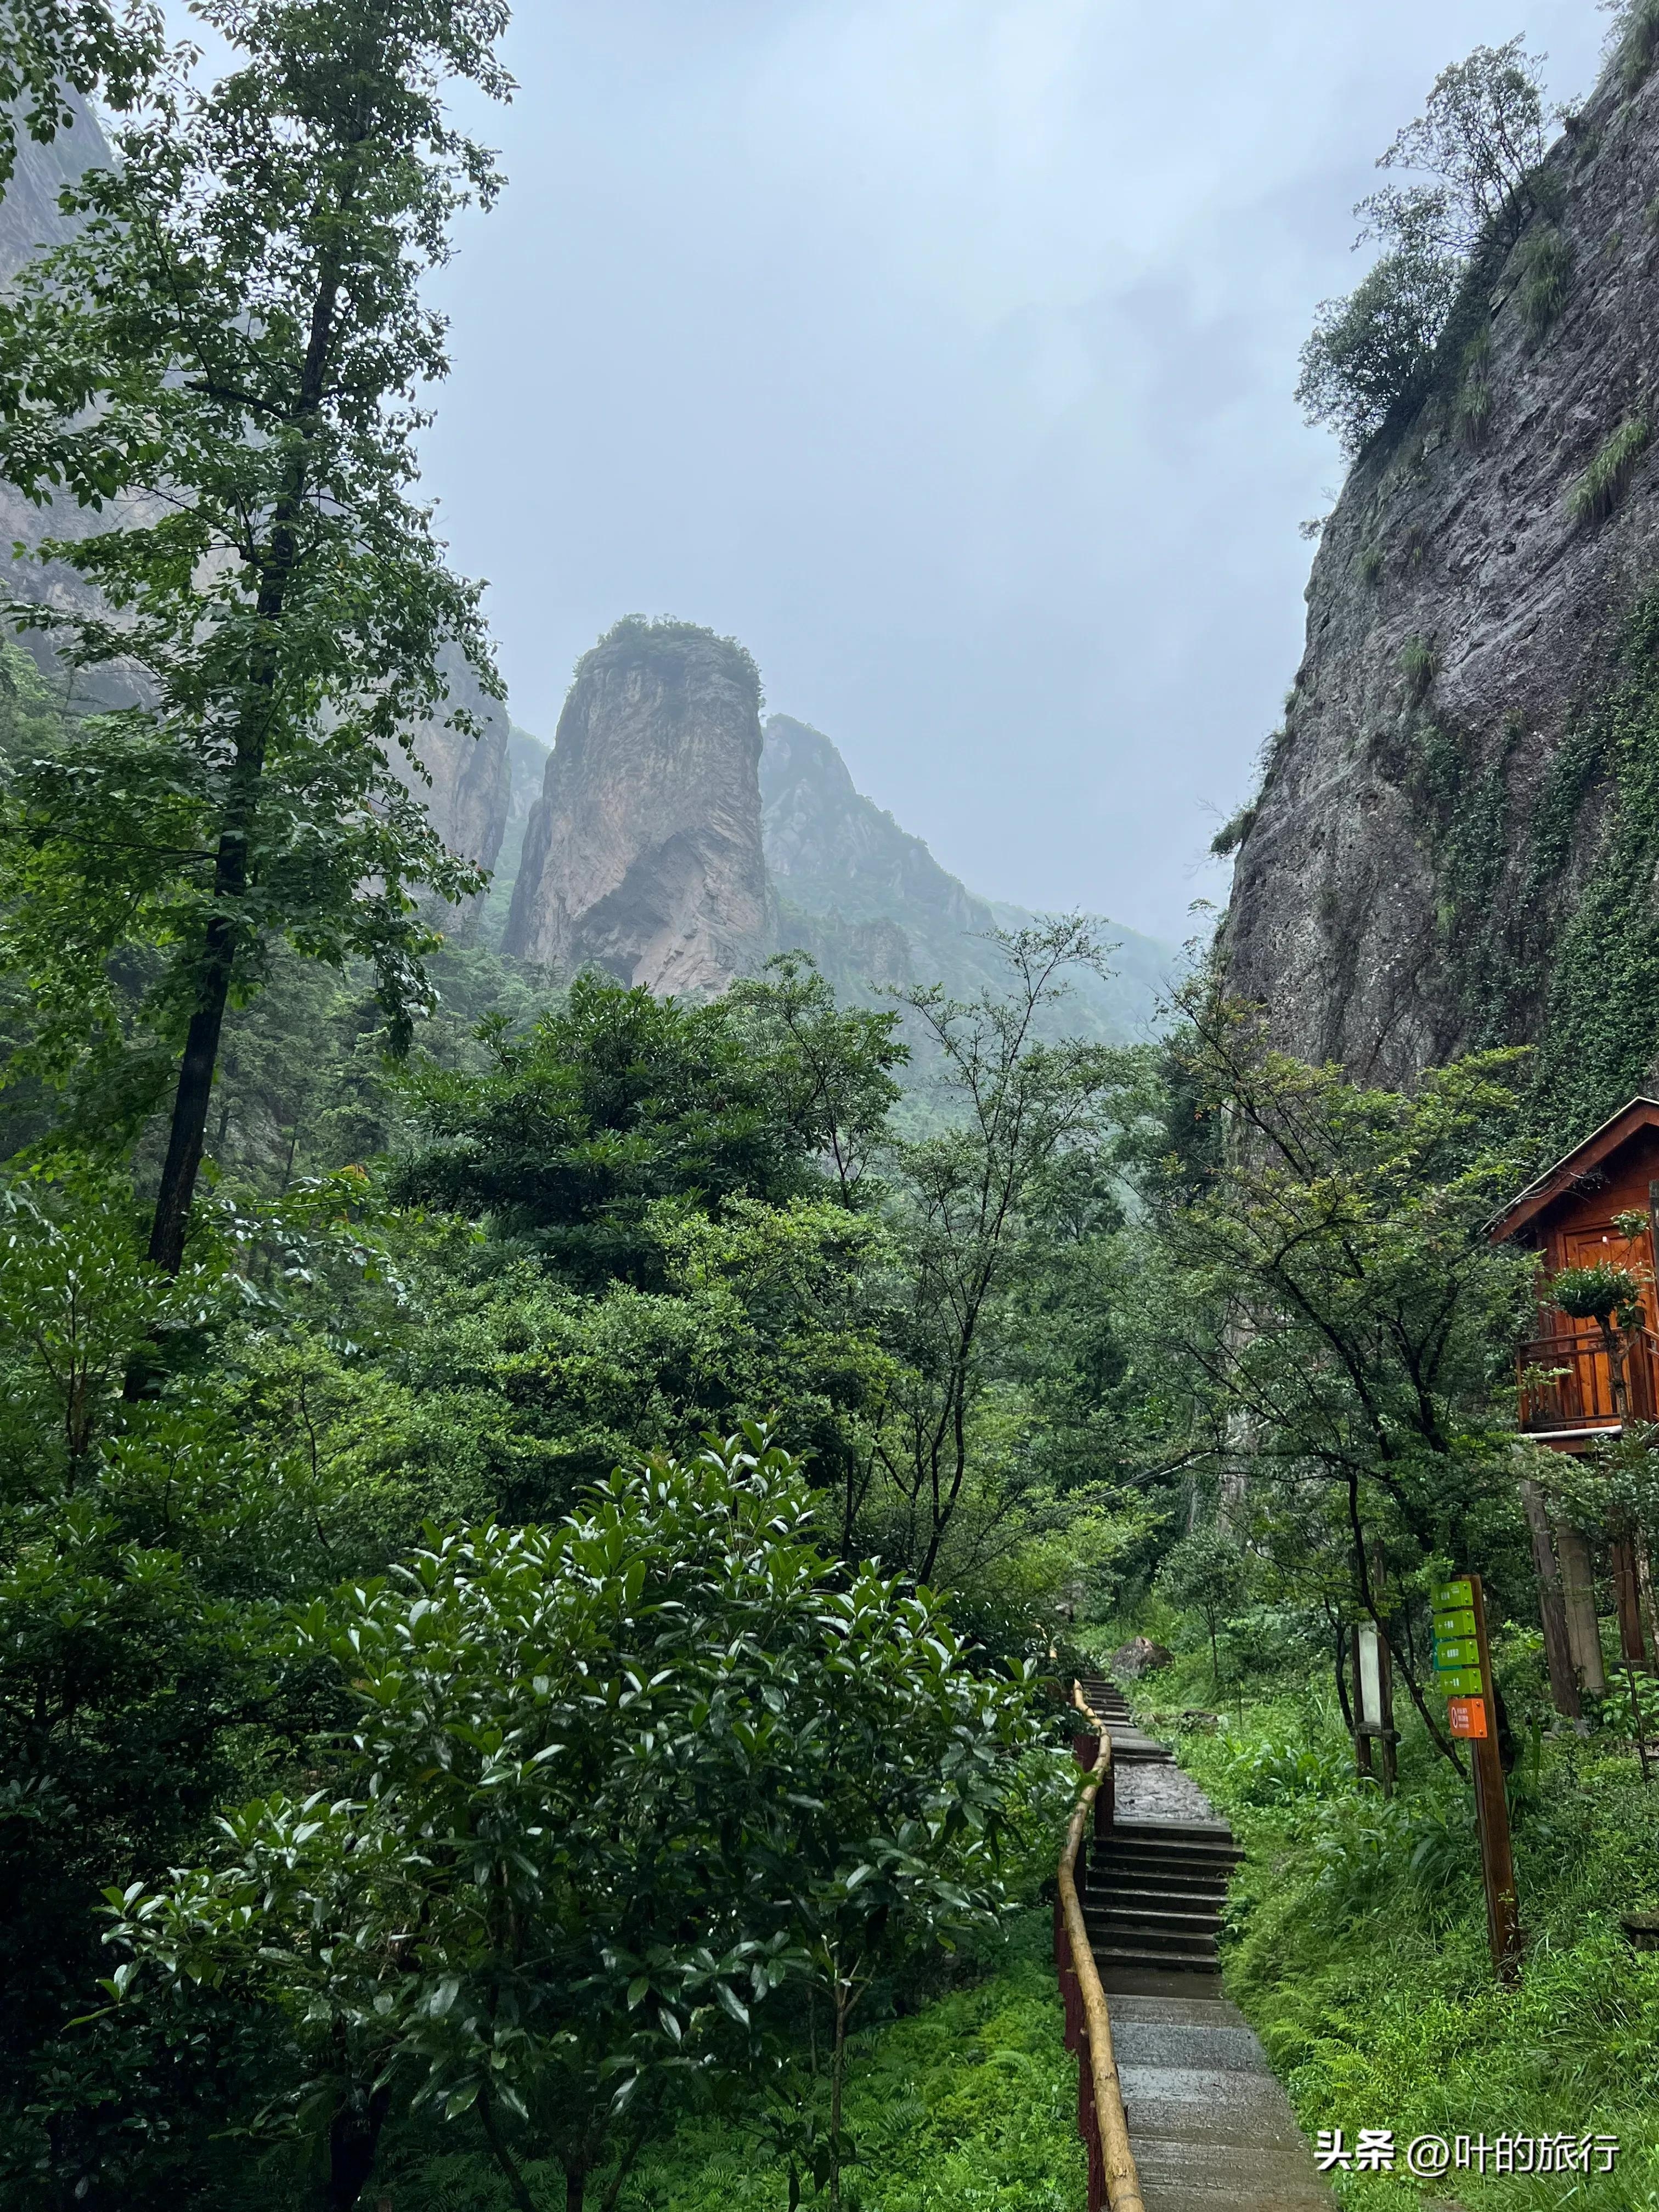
x: 1450, y: 1596
x: 1459, y: 1682
x: 1454, y: 1624
x: 1464, y: 1652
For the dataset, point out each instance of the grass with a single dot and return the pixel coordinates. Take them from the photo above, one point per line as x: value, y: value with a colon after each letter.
x: 968, y: 2105
x: 1472, y: 411
x: 1357, y: 1942
x: 1544, y: 267
x: 1638, y: 44
x: 1602, y: 485
x: 1418, y: 665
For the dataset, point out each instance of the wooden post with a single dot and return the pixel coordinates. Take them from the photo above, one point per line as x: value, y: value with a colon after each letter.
x: 1491, y: 1812
x: 1578, y: 1597
x: 1551, y: 1605
x: 1106, y: 1804
x: 1644, y: 1582
x: 1628, y: 1596
x: 1390, y: 1734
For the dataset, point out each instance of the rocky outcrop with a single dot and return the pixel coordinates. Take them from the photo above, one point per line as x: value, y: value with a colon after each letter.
x: 873, y: 905
x: 31, y: 222
x: 643, y: 855
x: 1453, y: 825
x: 469, y: 789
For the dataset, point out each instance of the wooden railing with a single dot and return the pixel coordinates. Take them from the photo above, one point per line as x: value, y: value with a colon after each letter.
x: 1114, y: 2184
x: 1566, y: 1382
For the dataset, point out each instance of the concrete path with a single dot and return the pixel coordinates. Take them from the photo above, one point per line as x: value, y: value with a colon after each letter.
x: 1210, y: 2128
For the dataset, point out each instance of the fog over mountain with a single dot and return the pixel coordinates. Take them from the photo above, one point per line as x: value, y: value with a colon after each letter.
x: 944, y: 354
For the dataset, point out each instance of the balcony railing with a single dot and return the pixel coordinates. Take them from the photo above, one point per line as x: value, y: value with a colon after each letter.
x: 1566, y: 1382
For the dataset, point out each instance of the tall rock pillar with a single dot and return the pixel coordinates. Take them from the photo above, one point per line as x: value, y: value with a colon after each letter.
x: 642, y: 856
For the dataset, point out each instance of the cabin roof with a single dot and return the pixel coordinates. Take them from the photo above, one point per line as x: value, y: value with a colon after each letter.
x: 1640, y: 1116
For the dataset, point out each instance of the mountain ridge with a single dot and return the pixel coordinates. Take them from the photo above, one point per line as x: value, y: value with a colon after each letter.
x: 866, y: 898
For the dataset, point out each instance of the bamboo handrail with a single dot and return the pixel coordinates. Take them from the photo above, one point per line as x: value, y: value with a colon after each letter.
x: 1117, y: 2159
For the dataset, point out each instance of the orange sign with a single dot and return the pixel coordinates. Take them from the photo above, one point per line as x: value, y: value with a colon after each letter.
x: 1468, y: 1716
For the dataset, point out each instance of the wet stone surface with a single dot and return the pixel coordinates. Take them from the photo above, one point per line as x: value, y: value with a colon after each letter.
x: 1160, y: 1792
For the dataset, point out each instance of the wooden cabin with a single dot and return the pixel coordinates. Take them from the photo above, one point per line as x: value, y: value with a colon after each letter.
x: 1567, y: 1218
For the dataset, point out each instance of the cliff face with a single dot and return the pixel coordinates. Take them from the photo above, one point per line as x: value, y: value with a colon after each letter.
x: 642, y: 856
x: 468, y: 797
x: 31, y: 222
x: 1455, y: 839
x: 871, y: 905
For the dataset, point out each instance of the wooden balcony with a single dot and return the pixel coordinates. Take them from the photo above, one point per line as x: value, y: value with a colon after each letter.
x: 1567, y: 1383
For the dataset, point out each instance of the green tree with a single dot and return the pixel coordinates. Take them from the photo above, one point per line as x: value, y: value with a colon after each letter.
x: 147, y: 1551
x: 50, y: 49
x: 1328, y: 1300
x: 1481, y: 137
x: 1207, y: 1573
x: 225, y: 362
x: 967, y: 1198
x: 1372, y: 351
x: 615, y: 1101
x: 835, y: 1064
x: 611, y: 1784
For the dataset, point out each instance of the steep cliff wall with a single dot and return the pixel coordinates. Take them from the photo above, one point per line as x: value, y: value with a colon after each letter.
x: 1457, y: 833
x: 871, y: 905
x: 30, y: 220
x: 643, y: 855
x: 470, y: 789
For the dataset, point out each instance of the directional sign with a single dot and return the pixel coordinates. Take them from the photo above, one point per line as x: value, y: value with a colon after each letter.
x: 1459, y: 1681
x: 1460, y: 1623
x: 1466, y: 1716
x: 1464, y: 1652
x: 1448, y: 1596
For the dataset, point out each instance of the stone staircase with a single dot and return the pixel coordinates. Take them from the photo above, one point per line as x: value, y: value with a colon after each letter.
x: 1209, y: 2124
x: 1153, y: 1890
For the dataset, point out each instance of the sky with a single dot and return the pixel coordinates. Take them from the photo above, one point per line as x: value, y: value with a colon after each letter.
x: 942, y: 351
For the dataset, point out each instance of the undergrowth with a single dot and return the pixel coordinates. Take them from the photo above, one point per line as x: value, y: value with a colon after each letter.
x: 968, y: 2105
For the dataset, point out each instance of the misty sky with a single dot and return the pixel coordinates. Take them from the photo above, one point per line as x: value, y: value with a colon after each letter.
x: 941, y: 351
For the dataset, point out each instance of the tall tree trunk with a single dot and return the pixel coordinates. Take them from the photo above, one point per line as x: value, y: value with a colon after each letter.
x: 1342, y: 1697
x: 502, y: 2156
x: 1578, y: 1598
x: 189, y: 1103
x: 1551, y: 1605
x: 845, y: 1998
x: 230, y: 868
x: 1644, y: 1582
x: 353, y: 2135
x: 1389, y: 1741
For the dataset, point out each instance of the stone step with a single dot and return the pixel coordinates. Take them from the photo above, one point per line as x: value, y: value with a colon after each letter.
x: 1157, y: 1958
x: 1113, y: 1849
x: 1150, y: 1910
x: 1153, y: 1883
x: 1142, y: 1933
x: 1142, y: 1868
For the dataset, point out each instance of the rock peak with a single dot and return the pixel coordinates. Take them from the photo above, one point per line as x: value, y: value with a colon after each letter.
x: 642, y: 856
